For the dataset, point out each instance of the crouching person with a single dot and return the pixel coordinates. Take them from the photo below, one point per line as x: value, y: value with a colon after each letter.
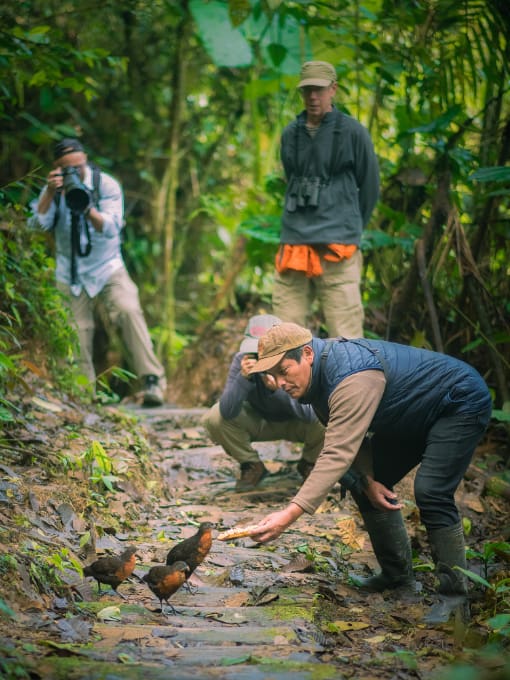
x: 252, y: 409
x: 425, y: 410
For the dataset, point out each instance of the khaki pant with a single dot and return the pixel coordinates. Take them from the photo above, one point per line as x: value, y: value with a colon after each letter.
x: 122, y: 304
x: 236, y: 435
x: 338, y: 292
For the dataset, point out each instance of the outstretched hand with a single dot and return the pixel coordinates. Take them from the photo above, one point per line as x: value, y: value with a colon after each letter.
x: 274, y: 524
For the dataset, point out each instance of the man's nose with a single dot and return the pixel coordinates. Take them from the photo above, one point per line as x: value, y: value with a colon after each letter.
x: 280, y: 381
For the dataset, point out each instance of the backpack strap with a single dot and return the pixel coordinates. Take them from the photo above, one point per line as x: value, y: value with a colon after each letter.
x: 96, y: 183
x: 325, y: 351
x: 324, y: 355
x: 372, y: 350
x: 336, y: 142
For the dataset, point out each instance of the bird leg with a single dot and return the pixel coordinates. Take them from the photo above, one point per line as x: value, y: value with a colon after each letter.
x: 190, y: 588
x: 174, y: 610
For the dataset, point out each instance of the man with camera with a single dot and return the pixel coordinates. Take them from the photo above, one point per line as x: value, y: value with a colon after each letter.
x: 84, y: 207
x: 332, y: 187
x: 251, y: 408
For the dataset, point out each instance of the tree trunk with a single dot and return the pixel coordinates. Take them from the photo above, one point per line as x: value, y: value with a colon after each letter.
x: 166, y: 213
x: 405, y: 296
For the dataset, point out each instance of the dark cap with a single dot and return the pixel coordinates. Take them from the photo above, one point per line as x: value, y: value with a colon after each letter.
x: 65, y: 146
x: 276, y: 342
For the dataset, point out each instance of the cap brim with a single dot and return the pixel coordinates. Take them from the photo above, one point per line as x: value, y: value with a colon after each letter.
x: 249, y: 346
x: 318, y: 82
x: 267, y: 363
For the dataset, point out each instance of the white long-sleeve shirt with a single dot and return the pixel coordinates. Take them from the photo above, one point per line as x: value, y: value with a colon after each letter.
x: 105, y: 257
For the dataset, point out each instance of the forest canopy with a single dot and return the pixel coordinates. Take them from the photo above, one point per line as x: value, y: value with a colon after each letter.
x: 184, y: 102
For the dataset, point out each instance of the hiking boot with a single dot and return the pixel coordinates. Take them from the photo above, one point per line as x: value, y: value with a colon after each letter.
x: 251, y: 475
x: 392, y: 548
x: 304, y: 467
x: 449, y: 552
x: 152, y: 392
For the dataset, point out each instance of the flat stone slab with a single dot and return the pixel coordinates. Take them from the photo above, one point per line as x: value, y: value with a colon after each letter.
x: 163, y: 416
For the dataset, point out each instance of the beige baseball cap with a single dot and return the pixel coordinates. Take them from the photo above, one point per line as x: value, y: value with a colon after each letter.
x: 277, y: 341
x: 319, y: 73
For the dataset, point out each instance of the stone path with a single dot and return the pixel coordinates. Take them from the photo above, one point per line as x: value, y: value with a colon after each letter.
x: 277, y: 612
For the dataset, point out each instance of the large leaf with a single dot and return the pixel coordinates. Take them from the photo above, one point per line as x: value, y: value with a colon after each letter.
x: 439, y: 124
x: 498, y: 173
x: 225, y: 44
x: 229, y: 31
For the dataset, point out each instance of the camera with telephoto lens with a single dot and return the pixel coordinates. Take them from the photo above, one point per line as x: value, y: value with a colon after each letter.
x: 77, y: 194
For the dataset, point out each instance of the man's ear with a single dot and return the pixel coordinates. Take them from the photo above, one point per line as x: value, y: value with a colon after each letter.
x: 308, y: 354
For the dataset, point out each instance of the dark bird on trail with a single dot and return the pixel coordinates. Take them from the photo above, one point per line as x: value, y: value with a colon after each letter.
x: 193, y: 550
x: 112, y: 570
x: 164, y: 581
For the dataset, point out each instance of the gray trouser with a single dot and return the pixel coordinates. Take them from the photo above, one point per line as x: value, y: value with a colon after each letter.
x: 122, y: 304
x: 337, y: 289
x: 236, y: 435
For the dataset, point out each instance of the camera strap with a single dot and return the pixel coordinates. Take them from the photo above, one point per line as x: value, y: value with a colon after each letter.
x: 81, y: 244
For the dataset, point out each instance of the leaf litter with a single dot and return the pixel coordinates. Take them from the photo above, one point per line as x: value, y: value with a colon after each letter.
x: 160, y: 498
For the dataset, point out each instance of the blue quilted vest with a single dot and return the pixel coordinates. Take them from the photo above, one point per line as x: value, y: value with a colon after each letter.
x: 421, y: 386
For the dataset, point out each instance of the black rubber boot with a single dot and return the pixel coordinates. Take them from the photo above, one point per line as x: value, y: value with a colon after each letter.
x: 448, y: 551
x: 393, y: 551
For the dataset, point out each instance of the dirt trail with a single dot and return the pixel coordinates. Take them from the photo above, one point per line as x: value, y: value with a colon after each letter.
x: 276, y: 612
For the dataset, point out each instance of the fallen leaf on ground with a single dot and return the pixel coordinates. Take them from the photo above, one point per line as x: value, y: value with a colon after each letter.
x: 109, y: 614
x: 347, y: 625
x: 350, y: 534
x: 46, y: 405
x: 237, y: 600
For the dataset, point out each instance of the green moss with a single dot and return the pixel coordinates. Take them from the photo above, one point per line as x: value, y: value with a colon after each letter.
x: 316, y: 671
x: 291, y: 612
x: 78, y: 668
x: 95, y: 606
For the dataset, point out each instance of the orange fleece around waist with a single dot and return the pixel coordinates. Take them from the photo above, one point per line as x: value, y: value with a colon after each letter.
x: 305, y: 258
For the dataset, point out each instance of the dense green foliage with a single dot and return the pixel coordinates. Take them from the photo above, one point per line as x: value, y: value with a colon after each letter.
x: 185, y: 100
x: 34, y: 331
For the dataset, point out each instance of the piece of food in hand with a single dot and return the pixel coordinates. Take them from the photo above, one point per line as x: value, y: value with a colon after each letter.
x: 238, y: 532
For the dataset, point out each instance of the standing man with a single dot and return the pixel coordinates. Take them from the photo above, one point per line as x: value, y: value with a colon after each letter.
x: 251, y: 408
x: 424, y: 410
x: 85, y: 208
x: 332, y: 187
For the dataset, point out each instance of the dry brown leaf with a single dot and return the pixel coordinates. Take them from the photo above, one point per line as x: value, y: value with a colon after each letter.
x: 350, y: 534
x: 474, y: 503
x: 238, y: 600
x: 299, y: 563
x: 264, y: 599
x: 46, y: 405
